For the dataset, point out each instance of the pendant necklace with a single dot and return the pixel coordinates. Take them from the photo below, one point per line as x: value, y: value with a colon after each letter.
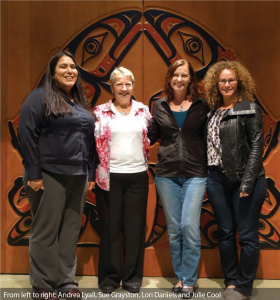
x: 181, y: 105
x: 122, y: 112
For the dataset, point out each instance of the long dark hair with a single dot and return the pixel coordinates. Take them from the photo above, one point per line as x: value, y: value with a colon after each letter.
x: 193, y: 90
x: 54, y: 100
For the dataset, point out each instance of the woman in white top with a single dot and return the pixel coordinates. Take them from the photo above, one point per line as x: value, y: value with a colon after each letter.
x: 121, y: 184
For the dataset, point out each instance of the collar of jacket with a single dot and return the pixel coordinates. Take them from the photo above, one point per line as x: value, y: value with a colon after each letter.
x: 164, y: 101
x: 138, y: 105
x: 245, y: 107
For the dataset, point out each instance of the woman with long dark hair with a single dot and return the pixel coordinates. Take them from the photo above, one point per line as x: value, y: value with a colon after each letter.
x: 56, y: 132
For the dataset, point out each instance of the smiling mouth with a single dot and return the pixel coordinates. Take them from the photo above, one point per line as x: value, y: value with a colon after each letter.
x: 123, y: 94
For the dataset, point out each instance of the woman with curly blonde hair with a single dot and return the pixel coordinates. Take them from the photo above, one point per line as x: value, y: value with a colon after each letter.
x: 236, y: 184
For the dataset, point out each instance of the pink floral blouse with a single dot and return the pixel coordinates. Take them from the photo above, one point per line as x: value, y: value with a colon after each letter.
x: 102, y: 134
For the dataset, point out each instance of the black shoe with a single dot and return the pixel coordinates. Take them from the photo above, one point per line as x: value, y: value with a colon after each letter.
x: 108, y: 289
x: 134, y: 288
x: 186, y: 293
x: 176, y: 289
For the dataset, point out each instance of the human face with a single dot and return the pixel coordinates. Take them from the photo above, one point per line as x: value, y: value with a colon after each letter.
x: 227, y: 83
x: 122, y: 88
x: 65, y: 73
x: 181, y: 79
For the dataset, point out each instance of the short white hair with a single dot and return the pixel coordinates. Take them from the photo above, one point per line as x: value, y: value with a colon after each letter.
x: 121, y: 70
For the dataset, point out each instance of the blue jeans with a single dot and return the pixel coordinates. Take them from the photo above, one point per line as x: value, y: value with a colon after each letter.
x: 237, y: 214
x: 182, y: 198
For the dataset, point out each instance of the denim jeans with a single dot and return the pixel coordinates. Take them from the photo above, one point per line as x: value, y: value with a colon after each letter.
x: 237, y: 214
x: 182, y: 198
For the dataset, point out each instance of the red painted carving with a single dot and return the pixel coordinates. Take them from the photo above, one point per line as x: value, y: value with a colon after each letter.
x: 170, y: 22
x: 275, y: 237
x: 106, y: 63
x: 158, y: 38
x: 128, y: 39
x: 228, y: 54
x: 115, y: 23
x: 90, y: 88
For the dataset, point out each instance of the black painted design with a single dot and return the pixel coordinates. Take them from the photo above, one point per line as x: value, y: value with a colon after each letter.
x: 88, y: 47
x: 93, y: 46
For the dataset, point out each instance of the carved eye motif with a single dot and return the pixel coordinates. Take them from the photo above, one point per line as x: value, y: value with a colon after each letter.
x: 93, y: 46
x: 192, y: 45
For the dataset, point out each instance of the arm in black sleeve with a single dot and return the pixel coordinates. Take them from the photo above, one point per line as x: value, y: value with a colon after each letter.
x: 154, y: 128
x: 92, y: 159
x: 254, y: 130
x: 206, y: 111
x: 30, y: 126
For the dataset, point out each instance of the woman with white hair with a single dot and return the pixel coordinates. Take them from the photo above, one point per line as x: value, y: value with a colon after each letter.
x: 121, y: 184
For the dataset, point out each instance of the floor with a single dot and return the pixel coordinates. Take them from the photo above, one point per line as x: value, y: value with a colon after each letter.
x: 152, y: 288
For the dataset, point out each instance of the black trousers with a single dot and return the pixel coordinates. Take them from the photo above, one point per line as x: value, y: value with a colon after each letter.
x: 237, y: 214
x: 122, y: 210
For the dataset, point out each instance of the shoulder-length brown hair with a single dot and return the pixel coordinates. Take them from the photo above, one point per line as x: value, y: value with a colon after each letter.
x: 193, y: 90
x: 245, y: 83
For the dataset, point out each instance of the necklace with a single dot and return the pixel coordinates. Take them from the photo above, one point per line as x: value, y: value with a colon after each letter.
x: 122, y: 110
x: 181, y: 105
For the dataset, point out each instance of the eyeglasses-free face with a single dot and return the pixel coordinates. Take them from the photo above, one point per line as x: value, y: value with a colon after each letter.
x: 181, y: 79
x: 65, y: 73
x: 227, y: 83
x: 122, y: 88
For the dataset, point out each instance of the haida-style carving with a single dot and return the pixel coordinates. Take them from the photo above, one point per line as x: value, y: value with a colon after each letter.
x: 100, y: 48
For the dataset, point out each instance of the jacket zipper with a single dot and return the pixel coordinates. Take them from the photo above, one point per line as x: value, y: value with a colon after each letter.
x: 180, y: 151
x: 180, y: 140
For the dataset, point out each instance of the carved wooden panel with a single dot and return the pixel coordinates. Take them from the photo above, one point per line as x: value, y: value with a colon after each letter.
x: 146, y: 40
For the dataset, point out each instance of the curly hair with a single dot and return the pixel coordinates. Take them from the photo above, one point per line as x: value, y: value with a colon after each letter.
x: 245, y: 83
x: 193, y: 90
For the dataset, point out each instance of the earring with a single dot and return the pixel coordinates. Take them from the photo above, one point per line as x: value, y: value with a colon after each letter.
x: 113, y: 94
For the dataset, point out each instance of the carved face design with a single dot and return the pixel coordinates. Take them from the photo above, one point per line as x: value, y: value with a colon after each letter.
x: 101, y: 47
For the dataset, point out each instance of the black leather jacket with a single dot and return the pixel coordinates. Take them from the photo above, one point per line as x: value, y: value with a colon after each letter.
x: 182, y: 151
x: 241, y: 135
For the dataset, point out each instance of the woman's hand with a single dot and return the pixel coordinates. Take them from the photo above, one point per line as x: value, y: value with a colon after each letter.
x: 91, y: 185
x: 243, y: 194
x: 36, y: 184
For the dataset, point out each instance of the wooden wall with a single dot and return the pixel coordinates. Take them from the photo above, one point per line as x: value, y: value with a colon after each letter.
x: 32, y: 31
